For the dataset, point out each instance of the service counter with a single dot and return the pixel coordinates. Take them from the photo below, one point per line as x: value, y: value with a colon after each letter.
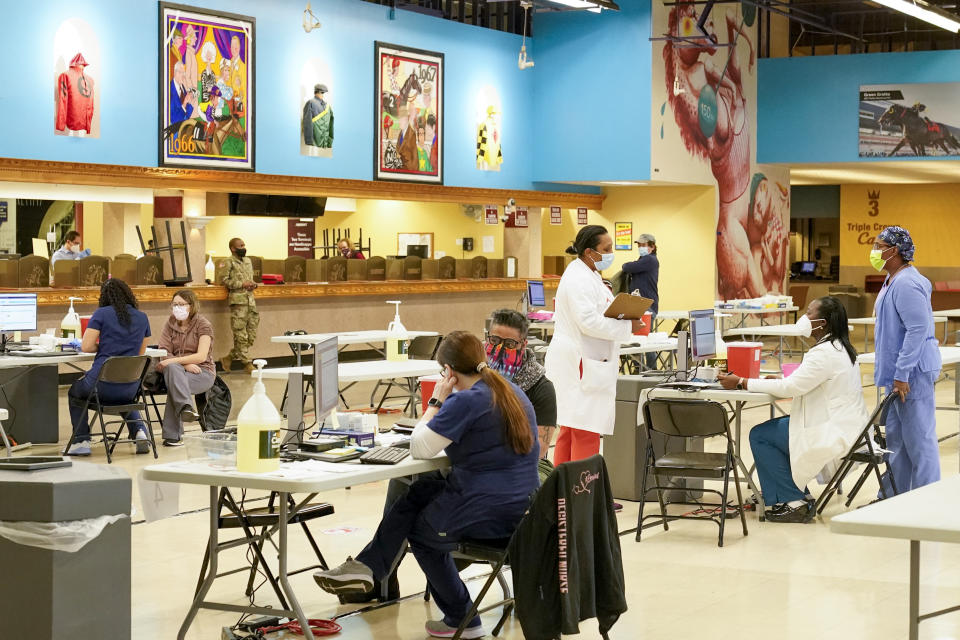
x: 435, y: 305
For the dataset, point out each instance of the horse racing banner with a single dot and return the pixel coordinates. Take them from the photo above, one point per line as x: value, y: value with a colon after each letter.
x: 909, y: 120
x: 408, y: 117
x: 206, y: 88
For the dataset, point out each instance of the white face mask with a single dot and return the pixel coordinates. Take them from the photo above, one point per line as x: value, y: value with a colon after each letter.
x: 805, y: 326
x: 181, y: 313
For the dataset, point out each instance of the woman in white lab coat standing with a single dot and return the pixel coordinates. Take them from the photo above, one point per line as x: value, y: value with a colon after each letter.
x: 583, y: 358
x: 827, y: 415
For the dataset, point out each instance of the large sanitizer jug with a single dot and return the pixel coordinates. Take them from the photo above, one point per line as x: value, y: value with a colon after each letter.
x: 258, y: 430
x: 396, y: 336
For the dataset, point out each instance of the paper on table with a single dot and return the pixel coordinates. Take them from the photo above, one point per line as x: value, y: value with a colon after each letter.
x: 488, y: 244
x: 159, y: 499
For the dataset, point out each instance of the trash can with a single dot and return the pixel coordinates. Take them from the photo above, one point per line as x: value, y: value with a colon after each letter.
x: 625, y: 450
x: 52, y: 593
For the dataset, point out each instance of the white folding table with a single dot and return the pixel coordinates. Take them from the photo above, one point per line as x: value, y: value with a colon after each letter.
x: 737, y: 400
x: 638, y: 345
x: 866, y: 323
x: 762, y: 313
x: 948, y: 356
x: 780, y: 331
x: 369, y: 370
x: 373, y: 339
x: 307, y: 477
x: 924, y: 514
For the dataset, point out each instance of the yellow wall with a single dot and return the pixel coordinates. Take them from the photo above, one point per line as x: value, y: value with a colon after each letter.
x: 682, y: 219
x: 381, y: 221
x: 927, y: 211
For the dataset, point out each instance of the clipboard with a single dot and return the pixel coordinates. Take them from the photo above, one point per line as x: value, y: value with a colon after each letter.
x: 628, y: 307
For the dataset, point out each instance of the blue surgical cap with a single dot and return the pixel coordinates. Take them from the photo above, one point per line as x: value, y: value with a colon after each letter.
x: 900, y: 238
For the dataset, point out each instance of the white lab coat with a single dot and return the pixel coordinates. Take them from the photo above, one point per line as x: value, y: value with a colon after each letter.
x: 828, y: 411
x: 583, y: 335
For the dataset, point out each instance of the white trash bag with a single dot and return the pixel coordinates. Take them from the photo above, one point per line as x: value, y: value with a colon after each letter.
x: 69, y: 536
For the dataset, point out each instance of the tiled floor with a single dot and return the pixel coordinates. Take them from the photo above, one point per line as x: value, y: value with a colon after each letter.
x: 781, y: 581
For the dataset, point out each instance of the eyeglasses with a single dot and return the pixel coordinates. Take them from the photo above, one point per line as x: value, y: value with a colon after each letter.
x: 508, y: 343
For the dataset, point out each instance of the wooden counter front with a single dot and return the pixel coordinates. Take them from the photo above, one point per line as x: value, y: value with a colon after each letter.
x: 56, y: 296
x: 428, y: 305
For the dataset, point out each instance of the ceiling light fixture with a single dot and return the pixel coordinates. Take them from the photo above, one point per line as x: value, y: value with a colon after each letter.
x: 924, y: 11
x: 522, y: 62
x: 593, y: 6
x: 310, y: 21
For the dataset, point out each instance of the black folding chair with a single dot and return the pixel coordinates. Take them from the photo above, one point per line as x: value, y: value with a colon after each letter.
x: 118, y: 370
x: 690, y: 419
x: 866, y: 451
x: 421, y: 348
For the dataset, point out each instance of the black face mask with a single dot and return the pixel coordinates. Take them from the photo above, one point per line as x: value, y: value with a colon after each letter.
x: 241, y: 253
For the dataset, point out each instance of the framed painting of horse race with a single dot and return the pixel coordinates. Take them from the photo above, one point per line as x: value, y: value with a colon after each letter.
x: 207, y: 88
x: 408, y: 114
x: 909, y: 120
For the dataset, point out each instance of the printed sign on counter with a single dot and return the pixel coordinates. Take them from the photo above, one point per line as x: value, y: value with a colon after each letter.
x: 300, y: 237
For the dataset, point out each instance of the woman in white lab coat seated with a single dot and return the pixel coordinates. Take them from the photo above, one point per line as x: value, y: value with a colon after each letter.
x: 827, y: 415
x: 583, y: 358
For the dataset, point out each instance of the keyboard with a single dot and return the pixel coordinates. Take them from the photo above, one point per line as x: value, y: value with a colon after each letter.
x: 691, y: 385
x: 384, y: 455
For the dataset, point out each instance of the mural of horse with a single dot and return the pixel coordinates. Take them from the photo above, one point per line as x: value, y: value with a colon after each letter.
x: 919, y: 132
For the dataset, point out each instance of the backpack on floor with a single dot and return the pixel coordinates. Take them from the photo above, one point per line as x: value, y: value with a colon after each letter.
x: 214, y: 406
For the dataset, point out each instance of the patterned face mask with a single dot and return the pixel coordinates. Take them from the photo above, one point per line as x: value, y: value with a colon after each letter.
x: 504, y: 361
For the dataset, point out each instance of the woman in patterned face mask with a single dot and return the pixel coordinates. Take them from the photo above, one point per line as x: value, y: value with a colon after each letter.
x: 509, y: 355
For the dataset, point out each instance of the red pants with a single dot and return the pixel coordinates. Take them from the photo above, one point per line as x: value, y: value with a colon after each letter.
x: 575, y: 444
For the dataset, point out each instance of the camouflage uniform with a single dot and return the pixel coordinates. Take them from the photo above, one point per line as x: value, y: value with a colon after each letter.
x: 244, y: 318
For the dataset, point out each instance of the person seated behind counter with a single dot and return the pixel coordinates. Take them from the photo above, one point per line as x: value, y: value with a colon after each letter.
x: 116, y: 328
x: 70, y: 249
x: 828, y: 414
x: 488, y: 429
x: 508, y: 355
x: 348, y: 250
x: 188, y: 368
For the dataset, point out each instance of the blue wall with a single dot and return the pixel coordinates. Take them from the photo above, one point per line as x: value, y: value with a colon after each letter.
x: 127, y: 30
x: 592, y: 94
x: 808, y: 106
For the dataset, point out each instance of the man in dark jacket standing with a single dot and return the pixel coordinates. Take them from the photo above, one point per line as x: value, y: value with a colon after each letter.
x: 642, y: 276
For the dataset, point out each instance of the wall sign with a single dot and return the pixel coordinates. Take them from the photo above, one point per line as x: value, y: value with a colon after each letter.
x: 581, y: 216
x: 623, y: 236
x: 4, y: 210
x: 490, y: 215
x: 555, y: 216
x: 300, y: 237
x: 909, y: 120
x: 519, y: 217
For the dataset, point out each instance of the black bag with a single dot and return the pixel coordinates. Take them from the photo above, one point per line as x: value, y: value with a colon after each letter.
x: 214, y: 406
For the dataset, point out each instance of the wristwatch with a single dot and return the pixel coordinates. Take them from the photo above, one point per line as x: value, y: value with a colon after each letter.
x: 433, y: 402
x: 740, y: 385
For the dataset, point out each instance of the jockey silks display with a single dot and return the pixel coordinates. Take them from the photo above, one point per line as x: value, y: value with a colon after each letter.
x: 909, y: 120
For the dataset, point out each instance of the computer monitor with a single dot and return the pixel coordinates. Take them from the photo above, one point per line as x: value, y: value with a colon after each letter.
x: 418, y: 250
x: 535, y: 295
x: 18, y: 312
x: 326, y: 381
x: 808, y: 268
x: 703, y: 342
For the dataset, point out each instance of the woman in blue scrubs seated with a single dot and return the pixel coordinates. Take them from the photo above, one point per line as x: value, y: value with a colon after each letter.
x: 116, y: 328
x: 908, y: 361
x: 488, y: 429
x: 827, y: 415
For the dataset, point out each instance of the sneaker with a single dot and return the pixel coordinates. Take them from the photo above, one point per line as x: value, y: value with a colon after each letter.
x: 375, y: 595
x: 143, y: 442
x: 189, y: 415
x: 81, y: 448
x: 170, y: 442
x: 617, y: 507
x: 440, y: 629
x: 351, y: 576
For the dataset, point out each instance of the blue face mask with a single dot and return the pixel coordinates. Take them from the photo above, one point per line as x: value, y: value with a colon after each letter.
x: 605, y: 262
x: 644, y: 251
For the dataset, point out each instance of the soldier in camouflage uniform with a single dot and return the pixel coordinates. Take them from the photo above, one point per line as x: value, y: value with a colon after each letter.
x: 244, y: 319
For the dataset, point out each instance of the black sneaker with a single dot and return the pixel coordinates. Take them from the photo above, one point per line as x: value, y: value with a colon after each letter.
x: 798, y: 514
x: 169, y: 442
x: 189, y: 415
